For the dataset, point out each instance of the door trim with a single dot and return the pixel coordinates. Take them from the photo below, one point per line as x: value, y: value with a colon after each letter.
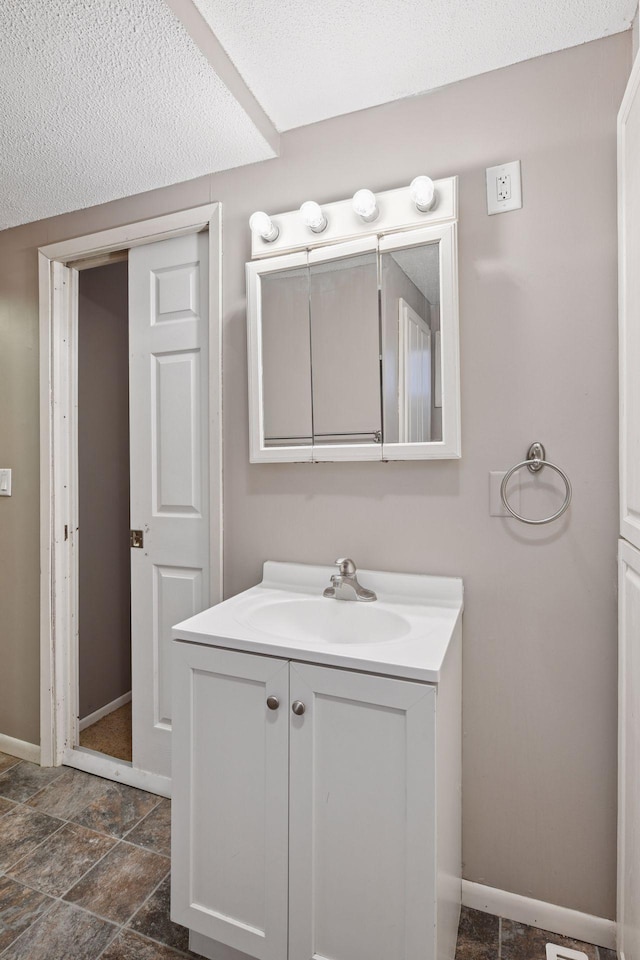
x: 58, y: 267
x: 629, y: 522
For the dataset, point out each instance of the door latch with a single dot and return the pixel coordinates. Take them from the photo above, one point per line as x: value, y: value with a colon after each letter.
x: 136, y: 538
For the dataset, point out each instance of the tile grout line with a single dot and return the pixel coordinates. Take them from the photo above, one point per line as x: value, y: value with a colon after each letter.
x: 106, y: 782
x: 74, y: 823
x: 92, y: 913
x: 64, y: 822
x: 26, y: 930
x: 116, y: 842
x: 31, y: 852
x: 125, y: 926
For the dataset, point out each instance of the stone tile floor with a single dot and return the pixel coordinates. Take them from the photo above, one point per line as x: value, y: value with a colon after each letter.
x: 84, y: 868
x: 481, y: 936
x: 85, y: 874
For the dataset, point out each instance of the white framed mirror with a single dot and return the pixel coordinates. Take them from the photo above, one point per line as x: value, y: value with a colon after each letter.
x: 353, y: 345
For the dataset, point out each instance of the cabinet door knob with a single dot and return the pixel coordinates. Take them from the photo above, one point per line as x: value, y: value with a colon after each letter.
x: 298, y: 707
x: 273, y: 703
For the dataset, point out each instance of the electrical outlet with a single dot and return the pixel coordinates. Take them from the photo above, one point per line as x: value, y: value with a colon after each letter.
x: 504, y: 188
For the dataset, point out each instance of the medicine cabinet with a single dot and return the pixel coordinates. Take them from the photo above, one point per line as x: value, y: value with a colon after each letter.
x: 353, y: 344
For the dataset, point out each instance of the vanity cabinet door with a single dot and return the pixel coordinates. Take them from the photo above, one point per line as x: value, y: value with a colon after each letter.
x: 230, y: 798
x: 362, y: 817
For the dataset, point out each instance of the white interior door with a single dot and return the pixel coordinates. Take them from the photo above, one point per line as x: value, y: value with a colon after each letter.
x: 168, y: 386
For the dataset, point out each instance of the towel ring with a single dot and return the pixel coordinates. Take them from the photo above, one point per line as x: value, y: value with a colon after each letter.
x: 535, y: 461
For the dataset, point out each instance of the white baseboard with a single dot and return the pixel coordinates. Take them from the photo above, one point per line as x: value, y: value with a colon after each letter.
x: 119, y: 770
x: 537, y: 913
x: 104, y: 711
x: 20, y: 749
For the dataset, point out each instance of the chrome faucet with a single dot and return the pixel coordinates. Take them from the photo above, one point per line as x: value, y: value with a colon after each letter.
x: 344, y: 584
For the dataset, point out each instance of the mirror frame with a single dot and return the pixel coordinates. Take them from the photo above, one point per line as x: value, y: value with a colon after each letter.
x: 400, y: 226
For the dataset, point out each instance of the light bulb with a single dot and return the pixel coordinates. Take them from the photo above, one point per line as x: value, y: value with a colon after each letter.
x: 313, y: 216
x: 262, y: 224
x: 423, y: 193
x: 364, y: 204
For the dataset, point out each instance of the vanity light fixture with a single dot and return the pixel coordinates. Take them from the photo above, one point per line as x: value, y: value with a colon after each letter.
x: 262, y: 224
x: 311, y: 213
x: 365, y: 205
x: 423, y: 193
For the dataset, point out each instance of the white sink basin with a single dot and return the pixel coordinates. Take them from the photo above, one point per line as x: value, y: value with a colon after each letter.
x: 328, y: 621
x: 406, y: 632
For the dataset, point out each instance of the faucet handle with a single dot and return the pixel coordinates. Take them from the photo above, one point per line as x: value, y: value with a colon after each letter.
x: 347, y: 567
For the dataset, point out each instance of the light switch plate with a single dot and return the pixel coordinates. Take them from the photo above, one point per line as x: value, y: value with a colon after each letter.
x: 504, y: 188
x: 496, y: 507
x: 5, y: 482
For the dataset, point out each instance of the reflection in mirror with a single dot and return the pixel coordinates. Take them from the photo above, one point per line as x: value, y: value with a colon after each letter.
x: 410, y: 344
x: 286, y: 358
x: 345, y: 350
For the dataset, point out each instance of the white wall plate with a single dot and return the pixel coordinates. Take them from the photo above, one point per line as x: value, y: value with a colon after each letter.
x: 5, y: 482
x: 504, y: 188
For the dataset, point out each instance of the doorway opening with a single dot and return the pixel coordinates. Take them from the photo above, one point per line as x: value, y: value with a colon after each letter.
x: 104, y: 561
x: 130, y: 387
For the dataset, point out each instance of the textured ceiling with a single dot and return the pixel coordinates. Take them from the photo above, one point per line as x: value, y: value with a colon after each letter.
x: 306, y: 60
x: 107, y: 98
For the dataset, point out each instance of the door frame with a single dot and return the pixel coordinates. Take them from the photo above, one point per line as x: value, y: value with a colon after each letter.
x: 59, y: 264
x: 629, y: 520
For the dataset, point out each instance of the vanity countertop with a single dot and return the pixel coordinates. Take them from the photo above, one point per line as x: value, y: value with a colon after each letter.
x: 405, y: 633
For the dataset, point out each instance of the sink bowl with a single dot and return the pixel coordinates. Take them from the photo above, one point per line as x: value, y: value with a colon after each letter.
x: 405, y: 633
x: 327, y: 621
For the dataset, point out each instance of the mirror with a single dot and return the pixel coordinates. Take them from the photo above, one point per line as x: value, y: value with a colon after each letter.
x: 345, y: 350
x: 354, y: 350
x: 411, y: 365
x: 286, y: 367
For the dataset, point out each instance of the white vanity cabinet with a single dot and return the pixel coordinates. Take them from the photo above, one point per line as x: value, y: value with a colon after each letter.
x: 316, y: 809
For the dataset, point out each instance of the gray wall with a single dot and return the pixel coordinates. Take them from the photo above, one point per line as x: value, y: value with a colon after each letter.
x: 538, y: 357
x: 103, y: 467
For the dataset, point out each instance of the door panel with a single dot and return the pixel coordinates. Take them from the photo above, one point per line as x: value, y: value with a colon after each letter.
x: 363, y: 743
x: 175, y: 433
x: 230, y: 798
x: 168, y: 342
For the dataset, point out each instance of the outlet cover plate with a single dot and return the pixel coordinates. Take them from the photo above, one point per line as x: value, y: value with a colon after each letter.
x: 504, y: 188
x: 5, y: 482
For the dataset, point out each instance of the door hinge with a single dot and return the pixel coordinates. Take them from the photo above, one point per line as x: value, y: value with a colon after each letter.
x: 136, y: 538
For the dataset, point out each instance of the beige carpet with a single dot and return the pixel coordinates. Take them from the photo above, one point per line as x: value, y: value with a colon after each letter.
x: 111, y: 735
